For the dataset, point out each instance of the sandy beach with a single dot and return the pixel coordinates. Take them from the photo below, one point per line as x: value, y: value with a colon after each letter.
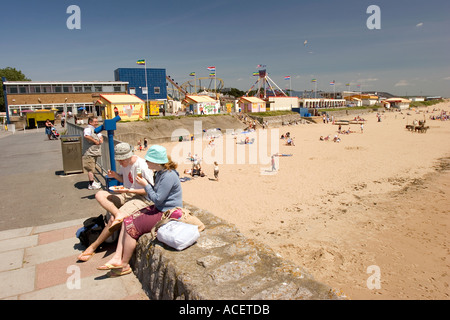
x: 367, y: 215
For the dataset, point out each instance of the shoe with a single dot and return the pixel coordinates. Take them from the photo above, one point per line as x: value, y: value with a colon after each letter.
x: 115, y: 226
x: 84, y: 257
x: 109, y: 266
x: 114, y: 274
x: 95, y: 186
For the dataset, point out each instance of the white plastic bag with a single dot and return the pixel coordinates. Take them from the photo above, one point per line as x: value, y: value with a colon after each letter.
x: 178, y: 235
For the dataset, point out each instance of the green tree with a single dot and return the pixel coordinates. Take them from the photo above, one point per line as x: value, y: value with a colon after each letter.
x: 11, y: 74
x: 234, y: 92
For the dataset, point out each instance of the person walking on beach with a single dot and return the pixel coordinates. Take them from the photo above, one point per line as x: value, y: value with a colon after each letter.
x: 216, y: 171
x: 93, y: 142
x: 273, y: 164
x: 362, y: 128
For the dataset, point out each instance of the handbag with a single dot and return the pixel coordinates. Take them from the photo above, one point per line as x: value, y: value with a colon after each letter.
x: 178, y: 235
x: 177, y: 214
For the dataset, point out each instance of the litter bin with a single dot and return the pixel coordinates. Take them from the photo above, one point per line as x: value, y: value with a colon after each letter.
x: 72, y: 154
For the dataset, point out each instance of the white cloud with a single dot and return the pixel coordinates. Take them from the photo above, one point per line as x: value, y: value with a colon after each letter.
x: 419, y: 24
x: 402, y: 83
x: 367, y: 80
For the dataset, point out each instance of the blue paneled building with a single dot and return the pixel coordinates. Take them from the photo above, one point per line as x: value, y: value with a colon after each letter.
x: 156, y: 81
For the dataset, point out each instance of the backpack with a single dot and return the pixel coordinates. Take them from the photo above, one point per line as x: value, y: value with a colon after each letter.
x: 91, y: 229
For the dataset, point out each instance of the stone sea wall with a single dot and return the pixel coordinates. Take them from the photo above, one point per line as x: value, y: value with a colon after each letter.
x: 222, y: 265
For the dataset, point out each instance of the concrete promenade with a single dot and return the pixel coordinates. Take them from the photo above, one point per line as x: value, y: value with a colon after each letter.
x: 41, y: 209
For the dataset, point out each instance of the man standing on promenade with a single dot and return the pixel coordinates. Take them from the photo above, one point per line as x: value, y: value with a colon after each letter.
x: 123, y: 202
x: 93, y: 147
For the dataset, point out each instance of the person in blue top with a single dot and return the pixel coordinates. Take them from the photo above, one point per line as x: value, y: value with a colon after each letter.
x: 166, y: 194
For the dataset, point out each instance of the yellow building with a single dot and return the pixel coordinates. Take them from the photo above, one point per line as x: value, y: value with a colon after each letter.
x: 127, y: 106
x: 252, y: 104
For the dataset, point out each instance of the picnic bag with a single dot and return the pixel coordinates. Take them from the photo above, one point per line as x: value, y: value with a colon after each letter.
x: 178, y: 235
x: 181, y: 234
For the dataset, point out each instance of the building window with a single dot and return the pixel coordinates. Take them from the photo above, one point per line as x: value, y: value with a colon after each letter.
x: 98, y: 89
x: 46, y: 89
x: 78, y: 89
x: 132, y: 90
x: 12, y: 89
x: 67, y: 89
x: 23, y: 89
x: 157, y: 90
x: 35, y: 89
x: 117, y: 88
x: 57, y: 89
x: 87, y: 89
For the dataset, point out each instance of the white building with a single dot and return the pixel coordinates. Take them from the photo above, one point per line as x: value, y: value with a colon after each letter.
x: 201, y: 104
x: 282, y: 103
x: 400, y: 103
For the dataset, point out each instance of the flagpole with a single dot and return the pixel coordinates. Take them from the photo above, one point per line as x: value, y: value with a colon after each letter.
x: 146, y: 86
x: 315, y: 89
x: 290, y: 87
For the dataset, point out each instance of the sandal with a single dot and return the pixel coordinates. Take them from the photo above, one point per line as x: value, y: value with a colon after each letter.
x: 83, y: 254
x: 115, y: 274
x: 115, y: 226
x: 109, y: 266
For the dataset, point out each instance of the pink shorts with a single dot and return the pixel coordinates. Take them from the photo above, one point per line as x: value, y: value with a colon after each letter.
x: 143, y: 220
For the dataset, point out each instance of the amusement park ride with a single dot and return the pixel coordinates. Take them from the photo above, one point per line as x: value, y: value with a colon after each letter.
x: 191, y: 86
x: 266, y: 86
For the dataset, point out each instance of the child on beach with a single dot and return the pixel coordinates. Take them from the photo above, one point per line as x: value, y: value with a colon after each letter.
x: 216, y: 171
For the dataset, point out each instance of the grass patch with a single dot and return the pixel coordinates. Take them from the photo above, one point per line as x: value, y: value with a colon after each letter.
x: 272, y: 113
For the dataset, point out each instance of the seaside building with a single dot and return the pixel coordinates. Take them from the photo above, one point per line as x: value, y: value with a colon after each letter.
x: 127, y: 106
x: 252, y: 104
x: 148, y: 84
x: 26, y: 96
x: 321, y: 103
x: 201, y: 104
x: 282, y: 103
x: 396, y: 102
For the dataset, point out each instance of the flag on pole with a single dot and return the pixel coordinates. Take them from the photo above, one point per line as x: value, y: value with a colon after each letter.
x: 140, y: 62
x: 192, y: 74
x: 256, y: 73
x: 211, y: 68
x: 313, y: 80
x: 212, y: 74
x: 261, y: 66
x: 332, y: 83
x: 287, y: 78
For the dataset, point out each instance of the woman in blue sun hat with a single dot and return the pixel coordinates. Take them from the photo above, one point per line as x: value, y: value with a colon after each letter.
x: 166, y: 194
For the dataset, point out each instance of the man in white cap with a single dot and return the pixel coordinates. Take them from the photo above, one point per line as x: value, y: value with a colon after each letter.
x: 123, y: 202
x: 93, y: 150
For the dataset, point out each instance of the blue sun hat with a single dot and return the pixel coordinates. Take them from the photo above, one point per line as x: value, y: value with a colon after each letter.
x: 157, y: 154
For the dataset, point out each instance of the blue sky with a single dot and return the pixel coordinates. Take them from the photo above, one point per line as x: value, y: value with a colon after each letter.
x: 410, y: 54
